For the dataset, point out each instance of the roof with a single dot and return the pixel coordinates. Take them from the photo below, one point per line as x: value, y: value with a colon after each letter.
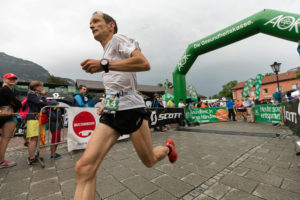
x: 271, y: 79
x: 98, y: 85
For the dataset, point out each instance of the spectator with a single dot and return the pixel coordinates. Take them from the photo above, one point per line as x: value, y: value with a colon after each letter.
x: 249, y: 105
x: 181, y: 104
x: 231, y: 114
x: 36, y: 102
x: 8, y: 124
x: 223, y: 102
x: 82, y: 99
x: 155, y: 101
x: 170, y: 103
x: 289, y: 96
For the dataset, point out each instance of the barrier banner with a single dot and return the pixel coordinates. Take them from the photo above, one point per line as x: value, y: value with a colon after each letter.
x: 291, y: 115
x: 163, y: 116
x: 207, y: 115
x: 81, y: 125
x: 267, y: 113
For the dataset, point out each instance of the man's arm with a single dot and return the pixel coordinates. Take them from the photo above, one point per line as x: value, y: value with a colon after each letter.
x: 136, y: 63
x: 79, y: 101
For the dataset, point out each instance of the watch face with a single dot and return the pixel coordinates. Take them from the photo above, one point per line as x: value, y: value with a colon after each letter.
x: 104, y: 62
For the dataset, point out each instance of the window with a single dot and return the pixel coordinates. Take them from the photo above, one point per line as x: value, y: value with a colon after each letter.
x: 295, y: 86
x: 265, y: 91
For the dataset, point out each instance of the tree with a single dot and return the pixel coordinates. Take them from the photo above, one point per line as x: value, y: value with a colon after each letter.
x: 160, y: 84
x: 226, y: 91
x: 56, y: 80
x: 268, y: 74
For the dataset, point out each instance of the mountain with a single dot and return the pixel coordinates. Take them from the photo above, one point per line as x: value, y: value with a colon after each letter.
x: 25, y: 70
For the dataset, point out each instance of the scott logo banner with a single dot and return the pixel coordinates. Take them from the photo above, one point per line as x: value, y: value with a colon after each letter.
x: 162, y: 116
x: 291, y: 115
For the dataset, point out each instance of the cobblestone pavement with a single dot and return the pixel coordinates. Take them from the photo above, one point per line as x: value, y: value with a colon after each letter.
x: 210, y: 166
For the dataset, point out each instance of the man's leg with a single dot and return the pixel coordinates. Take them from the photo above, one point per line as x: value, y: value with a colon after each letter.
x: 103, y: 138
x: 142, y: 142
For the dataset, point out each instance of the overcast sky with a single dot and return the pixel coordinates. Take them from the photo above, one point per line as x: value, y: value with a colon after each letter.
x: 55, y: 34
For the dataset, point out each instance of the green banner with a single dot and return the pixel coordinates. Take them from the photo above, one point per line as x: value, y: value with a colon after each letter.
x: 267, y: 113
x: 207, y: 115
x: 192, y: 91
x: 258, y: 82
x: 247, y: 88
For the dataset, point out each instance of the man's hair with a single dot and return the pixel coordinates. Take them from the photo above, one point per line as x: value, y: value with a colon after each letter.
x: 35, y: 84
x: 81, y: 86
x: 180, y: 99
x: 107, y: 18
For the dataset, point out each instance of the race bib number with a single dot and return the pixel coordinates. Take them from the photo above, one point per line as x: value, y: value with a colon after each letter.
x: 111, y: 103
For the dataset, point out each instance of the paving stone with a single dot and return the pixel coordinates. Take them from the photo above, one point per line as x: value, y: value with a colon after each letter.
x: 64, y: 164
x: 194, y: 179
x: 291, y: 185
x: 286, y: 173
x: 43, y: 174
x: 172, y: 185
x: 256, y: 166
x: 277, y: 163
x: 149, y: 173
x: 217, y: 191
x: 206, y: 172
x: 18, y: 175
x: 264, y: 178
x: 203, y: 197
x: 188, y: 197
x: 44, y: 188
x: 140, y: 186
x: 172, y: 170
x: 57, y: 196
x: 11, y: 189
x: 66, y: 174
x: 124, y: 195
x: 120, y: 172
x: 108, y: 186
x: 241, y: 171
x: 273, y: 193
x: 68, y: 188
x: 235, y: 194
x: 239, y: 182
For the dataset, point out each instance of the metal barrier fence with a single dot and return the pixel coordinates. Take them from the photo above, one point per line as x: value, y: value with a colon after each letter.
x: 55, y: 134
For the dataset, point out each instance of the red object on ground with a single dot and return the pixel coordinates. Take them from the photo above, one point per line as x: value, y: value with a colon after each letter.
x: 173, y: 155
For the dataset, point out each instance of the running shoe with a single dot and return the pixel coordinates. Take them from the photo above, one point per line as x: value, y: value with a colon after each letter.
x: 31, y: 161
x: 56, y: 156
x: 7, y: 164
x: 173, y: 155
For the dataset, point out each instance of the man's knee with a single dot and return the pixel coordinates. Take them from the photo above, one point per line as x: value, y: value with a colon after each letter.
x: 84, y: 170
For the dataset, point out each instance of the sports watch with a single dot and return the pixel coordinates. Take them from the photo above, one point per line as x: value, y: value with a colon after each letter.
x: 104, y: 63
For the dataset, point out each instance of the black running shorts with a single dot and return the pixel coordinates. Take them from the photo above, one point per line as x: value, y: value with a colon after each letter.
x: 125, y: 121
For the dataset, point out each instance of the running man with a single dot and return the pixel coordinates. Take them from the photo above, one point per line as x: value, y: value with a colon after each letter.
x: 124, y: 110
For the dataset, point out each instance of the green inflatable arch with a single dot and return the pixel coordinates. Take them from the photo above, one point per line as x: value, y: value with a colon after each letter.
x: 275, y: 23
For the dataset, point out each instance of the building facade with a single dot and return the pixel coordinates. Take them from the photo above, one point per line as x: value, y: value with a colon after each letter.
x: 287, y: 82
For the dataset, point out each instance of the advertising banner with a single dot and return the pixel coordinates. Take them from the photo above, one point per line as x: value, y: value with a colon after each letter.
x: 291, y: 115
x: 258, y: 82
x: 163, y: 116
x: 247, y: 88
x: 267, y: 113
x: 202, y: 115
x: 81, y: 125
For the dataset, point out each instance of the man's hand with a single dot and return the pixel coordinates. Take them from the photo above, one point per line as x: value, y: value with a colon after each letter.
x: 100, y: 110
x: 91, y: 66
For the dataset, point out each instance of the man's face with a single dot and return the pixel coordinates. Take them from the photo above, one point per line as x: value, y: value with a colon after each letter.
x: 83, y: 90
x: 99, y: 27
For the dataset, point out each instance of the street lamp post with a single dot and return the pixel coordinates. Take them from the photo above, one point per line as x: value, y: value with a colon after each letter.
x: 276, y: 68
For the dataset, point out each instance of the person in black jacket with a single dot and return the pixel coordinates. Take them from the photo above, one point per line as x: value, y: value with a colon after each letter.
x: 35, y: 102
x: 8, y: 125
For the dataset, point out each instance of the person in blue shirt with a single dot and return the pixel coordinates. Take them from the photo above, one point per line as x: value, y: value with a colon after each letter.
x: 230, y: 104
x: 82, y: 99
